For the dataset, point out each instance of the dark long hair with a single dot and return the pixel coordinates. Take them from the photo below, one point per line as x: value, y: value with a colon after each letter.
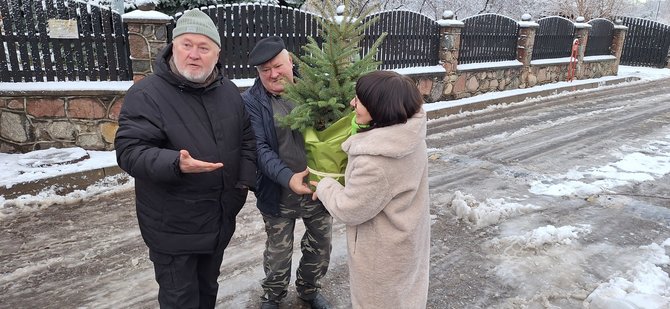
x: 389, y: 97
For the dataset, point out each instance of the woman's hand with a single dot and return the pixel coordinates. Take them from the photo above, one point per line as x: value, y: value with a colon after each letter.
x: 314, y: 184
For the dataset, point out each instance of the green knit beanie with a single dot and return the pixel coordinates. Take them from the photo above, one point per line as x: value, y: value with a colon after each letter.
x: 196, y: 21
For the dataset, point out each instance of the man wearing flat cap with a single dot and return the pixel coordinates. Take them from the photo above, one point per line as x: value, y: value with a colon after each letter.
x: 282, y: 193
x: 186, y: 138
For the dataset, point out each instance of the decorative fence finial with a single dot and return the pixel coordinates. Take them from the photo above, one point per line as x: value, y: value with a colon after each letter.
x: 448, y: 15
x: 618, y: 22
x: 526, y: 17
x: 145, y: 5
x: 580, y: 19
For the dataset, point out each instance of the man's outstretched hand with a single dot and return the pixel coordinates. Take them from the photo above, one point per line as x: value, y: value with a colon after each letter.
x: 189, y: 165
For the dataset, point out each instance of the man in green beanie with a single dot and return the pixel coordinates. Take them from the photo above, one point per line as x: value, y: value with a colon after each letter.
x: 186, y: 138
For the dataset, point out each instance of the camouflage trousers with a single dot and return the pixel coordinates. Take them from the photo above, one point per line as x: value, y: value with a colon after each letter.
x: 315, y: 247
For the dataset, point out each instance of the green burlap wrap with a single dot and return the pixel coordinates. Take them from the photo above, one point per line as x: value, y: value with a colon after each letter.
x: 325, y: 156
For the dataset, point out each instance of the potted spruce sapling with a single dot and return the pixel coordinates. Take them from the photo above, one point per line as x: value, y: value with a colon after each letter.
x: 326, y: 84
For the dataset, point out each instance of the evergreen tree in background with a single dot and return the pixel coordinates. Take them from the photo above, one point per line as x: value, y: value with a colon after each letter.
x: 328, y: 73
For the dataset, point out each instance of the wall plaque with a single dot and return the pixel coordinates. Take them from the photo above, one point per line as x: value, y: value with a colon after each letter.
x: 63, y: 29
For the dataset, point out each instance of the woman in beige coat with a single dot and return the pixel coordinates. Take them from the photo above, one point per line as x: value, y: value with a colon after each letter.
x: 385, y: 201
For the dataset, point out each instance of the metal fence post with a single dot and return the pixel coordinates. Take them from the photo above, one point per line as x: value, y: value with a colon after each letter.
x: 618, y: 38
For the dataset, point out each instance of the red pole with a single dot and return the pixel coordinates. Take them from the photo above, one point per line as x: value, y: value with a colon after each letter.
x: 573, y: 60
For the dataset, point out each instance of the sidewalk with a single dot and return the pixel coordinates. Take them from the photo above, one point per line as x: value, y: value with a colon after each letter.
x: 442, y: 109
x: 62, y: 171
x: 68, y: 182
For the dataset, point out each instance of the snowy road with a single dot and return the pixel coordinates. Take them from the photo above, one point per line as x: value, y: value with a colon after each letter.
x: 550, y: 203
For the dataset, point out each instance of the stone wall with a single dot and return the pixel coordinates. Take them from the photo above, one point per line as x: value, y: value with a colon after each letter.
x: 544, y: 74
x: 33, y: 121
x: 599, y: 68
x: 467, y: 83
x: 475, y: 82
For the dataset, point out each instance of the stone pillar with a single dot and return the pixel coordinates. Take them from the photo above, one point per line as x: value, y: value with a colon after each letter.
x: 618, y: 37
x: 147, y: 36
x: 450, y: 40
x: 450, y: 43
x: 527, y: 30
x: 524, y: 49
x: 582, y: 34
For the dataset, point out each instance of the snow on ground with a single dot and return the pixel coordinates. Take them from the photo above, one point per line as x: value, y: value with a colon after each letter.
x: 41, y: 164
x: 645, y: 285
x: 47, y: 163
x: 486, y: 213
x: 645, y: 163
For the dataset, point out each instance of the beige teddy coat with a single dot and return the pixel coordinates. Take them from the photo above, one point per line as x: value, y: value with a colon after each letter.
x: 385, y: 206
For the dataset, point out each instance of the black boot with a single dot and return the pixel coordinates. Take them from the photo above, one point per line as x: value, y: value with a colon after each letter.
x: 269, y: 305
x: 318, y: 302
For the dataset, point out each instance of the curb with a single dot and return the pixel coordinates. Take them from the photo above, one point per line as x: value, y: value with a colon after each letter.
x: 63, y: 184
x: 68, y: 183
x: 434, y: 114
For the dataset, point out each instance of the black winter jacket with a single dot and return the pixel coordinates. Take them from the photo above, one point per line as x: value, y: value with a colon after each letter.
x: 185, y: 213
x: 273, y: 173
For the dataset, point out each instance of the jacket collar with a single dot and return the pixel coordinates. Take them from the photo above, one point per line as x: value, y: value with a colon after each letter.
x: 394, y: 141
x: 258, y: 92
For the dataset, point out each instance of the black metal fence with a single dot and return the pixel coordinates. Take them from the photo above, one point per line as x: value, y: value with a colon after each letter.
x: 600, y: 37
x: 488, y: 37
x: 553, y: 38
x: 242, y: 25
x: 61, y: 40
x: 647, y: 43
x: 412, y: 39
x: 98, y: 49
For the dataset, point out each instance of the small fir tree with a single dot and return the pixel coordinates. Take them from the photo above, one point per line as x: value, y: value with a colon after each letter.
x: 328, y: 73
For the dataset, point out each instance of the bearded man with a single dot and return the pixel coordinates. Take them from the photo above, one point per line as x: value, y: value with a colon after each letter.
x: 186, y: 138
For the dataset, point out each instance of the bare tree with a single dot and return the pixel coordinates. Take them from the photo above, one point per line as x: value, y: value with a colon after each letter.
x: 356, y: 5
x: 589, y: 9
x: 515, y: 8
x: 663, y: 12
x: 658, y: 10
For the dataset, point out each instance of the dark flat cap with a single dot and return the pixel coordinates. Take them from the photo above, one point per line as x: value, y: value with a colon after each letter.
x: 265, y: 50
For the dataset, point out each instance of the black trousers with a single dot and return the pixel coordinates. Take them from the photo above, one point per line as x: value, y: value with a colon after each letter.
x: 188, y: 280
